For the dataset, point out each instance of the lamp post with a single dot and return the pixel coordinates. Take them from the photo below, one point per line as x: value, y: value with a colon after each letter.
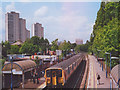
x: 102, y: 63
x: 11, y: 60
x: 110, y: 69
x: 106, y: 62
x: 106, y: 66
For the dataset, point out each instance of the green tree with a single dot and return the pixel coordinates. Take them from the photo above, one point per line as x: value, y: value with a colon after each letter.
x: 5, y: 48
x: 83, y: 47
x: 54, y: 46
x: 29, y: 48
x: 2, y: 61
x: 65, y: 46
x: 14, y: 49
x: 106, y: 31
x: 73, y: 45
x: 33, y: 45
x: 35, y: 40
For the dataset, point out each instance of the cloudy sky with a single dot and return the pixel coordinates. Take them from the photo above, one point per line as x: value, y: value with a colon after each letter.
x: 62, y: 20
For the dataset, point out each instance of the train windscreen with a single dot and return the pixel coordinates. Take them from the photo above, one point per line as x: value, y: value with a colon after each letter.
x: 59, y: 73
x: 48, y: 73
x: 55, y: 72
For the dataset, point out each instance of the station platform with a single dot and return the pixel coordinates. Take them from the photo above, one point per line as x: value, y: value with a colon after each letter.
x: 30, y: 85
x: 94, y: 69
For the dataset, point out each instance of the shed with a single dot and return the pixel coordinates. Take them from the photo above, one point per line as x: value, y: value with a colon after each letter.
x: 19, y: 68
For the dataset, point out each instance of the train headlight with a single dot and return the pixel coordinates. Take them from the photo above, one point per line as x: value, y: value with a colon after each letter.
x: 60, y: 80
x: 48, y: 80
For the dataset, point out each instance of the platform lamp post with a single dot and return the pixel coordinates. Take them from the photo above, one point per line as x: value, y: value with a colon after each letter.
x: 106, y: 62
x: 11, y: 61
x: 110, y: 67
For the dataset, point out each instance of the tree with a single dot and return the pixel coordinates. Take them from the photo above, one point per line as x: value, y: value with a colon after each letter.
x: 73, y: 45
x: 5, y: 48
x: 65, y: 46
x: 2, y: 61
x: 83, y: 47
x: 54, y: 46
x: 35, y: 40
x: 29, y: 48
x: 106, y: 31
x: 14, y: 49
x: 33, y: 45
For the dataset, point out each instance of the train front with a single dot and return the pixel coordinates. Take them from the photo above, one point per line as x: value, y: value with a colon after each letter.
x: 54, y: 77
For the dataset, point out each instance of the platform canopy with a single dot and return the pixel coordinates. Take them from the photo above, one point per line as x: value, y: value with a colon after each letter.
x: 115, y: 72
x: 19, y: 67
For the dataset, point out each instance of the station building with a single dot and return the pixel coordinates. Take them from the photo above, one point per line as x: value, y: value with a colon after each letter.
x: 19, y: 71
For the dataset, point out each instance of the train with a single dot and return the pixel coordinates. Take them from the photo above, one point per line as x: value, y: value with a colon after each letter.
x: 58, y: 74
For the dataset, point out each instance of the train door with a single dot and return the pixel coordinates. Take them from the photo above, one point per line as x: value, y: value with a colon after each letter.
x: 54, y: 77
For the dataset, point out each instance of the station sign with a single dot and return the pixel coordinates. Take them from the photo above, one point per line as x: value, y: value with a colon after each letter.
x: 14, y: 72
x: 101, y: 59
x: 58, y: 52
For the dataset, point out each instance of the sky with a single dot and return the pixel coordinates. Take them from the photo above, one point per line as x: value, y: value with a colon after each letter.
x: 62, y: 20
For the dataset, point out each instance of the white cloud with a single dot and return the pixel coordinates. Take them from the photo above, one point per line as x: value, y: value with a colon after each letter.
x: 24, y: 0
x: 0, y: 18
x: 66, y: 27
x: 56, y: 0
x: 59, y: 0
x: 41, y: 11
x: 11, y: 7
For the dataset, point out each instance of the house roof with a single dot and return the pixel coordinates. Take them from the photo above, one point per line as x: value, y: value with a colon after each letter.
x: 17, y: 43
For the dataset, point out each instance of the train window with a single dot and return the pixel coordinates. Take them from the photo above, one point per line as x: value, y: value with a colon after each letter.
x: 48, y: 73
x: 53, y: 74
x: 72, y: 66
x: 59, y: 73
x: 68, y: 70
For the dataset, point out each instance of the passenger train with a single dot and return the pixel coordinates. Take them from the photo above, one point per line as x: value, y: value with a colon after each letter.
x: 58, y: 74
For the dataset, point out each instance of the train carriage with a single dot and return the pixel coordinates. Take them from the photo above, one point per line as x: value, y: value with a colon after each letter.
x: 58, y: 74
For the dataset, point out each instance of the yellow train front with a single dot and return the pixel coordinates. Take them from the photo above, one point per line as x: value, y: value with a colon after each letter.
x: 54, y: 77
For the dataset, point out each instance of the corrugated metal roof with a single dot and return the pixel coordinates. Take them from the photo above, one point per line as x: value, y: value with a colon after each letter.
x: 115, y: 72
x: 19, y: 65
